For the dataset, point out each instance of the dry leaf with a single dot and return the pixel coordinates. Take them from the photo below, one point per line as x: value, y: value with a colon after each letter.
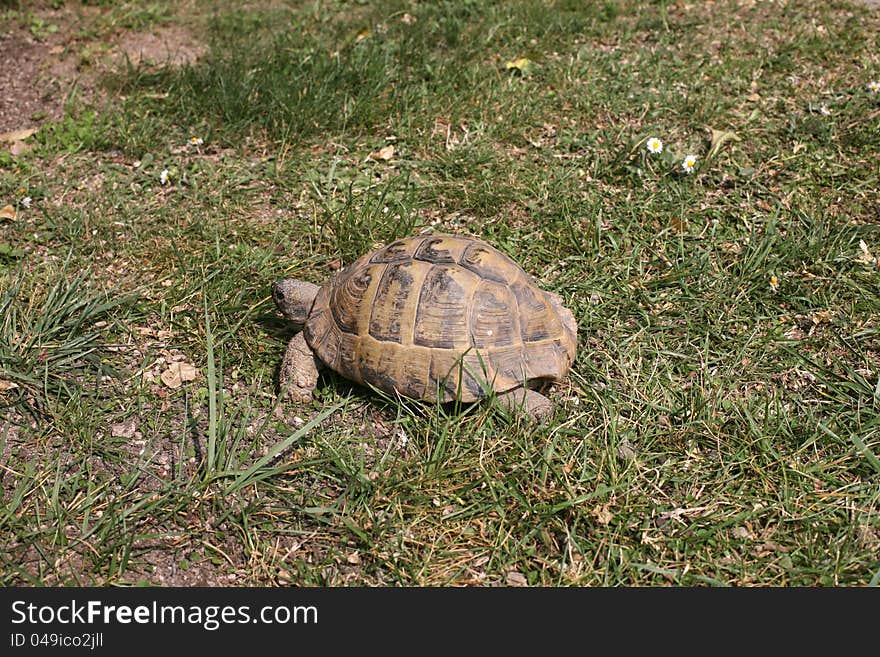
x: 603, y: 515
x: 821, y: 316
x: 678, y: 224
x: 385, y: 153
x: 178, y: 373
x: 523, y: 65
x: 353, y: 558
x: 7, y: 212
x: 719, y: 138
x: 866, y: 257
x: 7, y: 385
x: 17, y: 135
x: 516, y: 579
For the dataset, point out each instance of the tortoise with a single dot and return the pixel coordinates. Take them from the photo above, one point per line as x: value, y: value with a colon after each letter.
x: 433, y: 317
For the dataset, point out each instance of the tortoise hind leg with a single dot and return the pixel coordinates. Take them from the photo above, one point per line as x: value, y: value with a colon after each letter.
x: 299, y: 370
x: 533, y: 403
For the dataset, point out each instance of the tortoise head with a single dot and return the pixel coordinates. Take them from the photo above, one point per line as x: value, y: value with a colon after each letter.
x: 294, y: 299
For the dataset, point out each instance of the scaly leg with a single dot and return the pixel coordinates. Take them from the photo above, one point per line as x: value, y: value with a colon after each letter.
x: 533, y: 403
x: 299, y: 370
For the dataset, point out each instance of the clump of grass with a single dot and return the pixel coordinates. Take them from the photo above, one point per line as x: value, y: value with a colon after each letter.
x: 50, y: 340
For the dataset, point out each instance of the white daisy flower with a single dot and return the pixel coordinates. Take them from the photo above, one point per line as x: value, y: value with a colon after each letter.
x: 26, y: 202
x: 824, y: 110
x: 774, y: 283
x: 196, y: 141
x: 654, y: 145
x: 163, y: 177
x: 688, y: 163
x: 874, y: 86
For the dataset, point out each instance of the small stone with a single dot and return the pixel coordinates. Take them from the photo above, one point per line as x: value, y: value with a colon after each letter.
x: 625, y: 450
x: 124, y: 429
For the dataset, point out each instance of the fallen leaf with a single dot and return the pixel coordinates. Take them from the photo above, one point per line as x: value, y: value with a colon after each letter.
x: 865, y: 256
x: 5, y: 386
x: 719, y: 138
x: 515, y: 578
x: 177, y: 374
x: 603, y: 515
x: 171, y: 378
x: 522, y: 64
x: 353, y: 558
x: 17, y: 135
x: 769, y: 548
x: 7, y: 212
x: 385, y: 153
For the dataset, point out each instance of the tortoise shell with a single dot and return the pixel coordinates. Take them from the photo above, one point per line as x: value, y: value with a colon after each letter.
x: 440, y: 317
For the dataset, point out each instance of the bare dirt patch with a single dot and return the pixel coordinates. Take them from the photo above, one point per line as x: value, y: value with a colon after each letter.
x: 26, y: 97
x: 38, y: 72
x: 172, y: 45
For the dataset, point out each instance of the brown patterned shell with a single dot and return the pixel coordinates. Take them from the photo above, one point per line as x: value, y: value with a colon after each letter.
x: 439, y: 315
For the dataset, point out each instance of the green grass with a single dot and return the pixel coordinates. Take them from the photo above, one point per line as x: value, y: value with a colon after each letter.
x: 721, y: 425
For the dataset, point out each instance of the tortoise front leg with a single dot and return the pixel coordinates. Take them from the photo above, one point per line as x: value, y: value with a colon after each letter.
x: 299, y: 370
x: 533, y: 403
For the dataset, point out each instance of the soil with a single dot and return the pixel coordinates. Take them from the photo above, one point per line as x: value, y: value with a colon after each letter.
x: 40, y: 68
x: 26, y: 96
